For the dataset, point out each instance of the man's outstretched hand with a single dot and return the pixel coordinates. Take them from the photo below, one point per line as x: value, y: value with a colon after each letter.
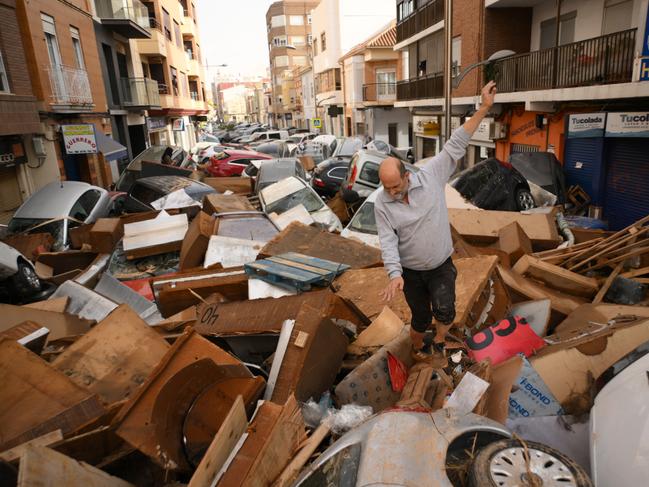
x: 488, y: 94
x: 396, y: 284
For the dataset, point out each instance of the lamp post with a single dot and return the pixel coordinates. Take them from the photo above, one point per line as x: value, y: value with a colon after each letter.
x: 310, y: 55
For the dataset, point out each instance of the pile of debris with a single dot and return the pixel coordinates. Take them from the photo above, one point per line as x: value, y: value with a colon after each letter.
x: 204, y: 348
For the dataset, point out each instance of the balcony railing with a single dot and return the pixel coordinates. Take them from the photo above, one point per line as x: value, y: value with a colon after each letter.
x: 422, y: 18
x: 194, y: 95
x: 163, y: 89
x: 139, y: 92
x: 602, y: 60
x: 377, y: 92
x: 423, y: 87
x: 70, y: 86
x: 154, y: 24
x: 132, y: 10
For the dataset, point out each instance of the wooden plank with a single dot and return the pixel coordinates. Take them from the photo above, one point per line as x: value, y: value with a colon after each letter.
x: 237, y: 185
x: 61, y: 325
x: 605, y: 250
x: 292, y: 470
x: 556, y: 277
x: 44, y: 440
x: 607, y: 284
x: 35, y: 398
x: 622, y: 258
x: 233, y: 427
x: 40, y: 466
x: 527, y: 288
x: 315, y: 242
x: 115, y: 357
x: 56, y: 305
x: 636, y: 272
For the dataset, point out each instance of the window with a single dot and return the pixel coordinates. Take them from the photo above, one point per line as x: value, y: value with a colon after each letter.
x: 456, y: 55
x: 279, y: 41
x: 386, y: 83
x: 297, y: 40
x: 183, y: 84
x: 404, y: 9
x: 309, y: 39
x: 174, y: 80
x: 338, y: 173
x: 323, y: 41
x: 240, y: 162
x: 296, y: 19
x: 281, y: 61
x: 166, y: 22
x: 309, y: 20
x: 4, y: 80
x: 76, y: 45
x: 179, y: 39
x: 277, y: 21
x: 566, y: 30
x: 618, y: 16
x: 370, y: 173
x: 85, y: 204
x: 50, y: 40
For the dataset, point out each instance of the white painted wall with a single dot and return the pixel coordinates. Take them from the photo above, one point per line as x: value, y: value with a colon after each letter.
x: 347, y: 23
x: 589, y: 21
x: 378, y: 120
x: 307, y: 95
x: 353, y: 79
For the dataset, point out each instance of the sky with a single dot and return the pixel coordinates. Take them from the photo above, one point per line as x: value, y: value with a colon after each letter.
x: 234, y: 33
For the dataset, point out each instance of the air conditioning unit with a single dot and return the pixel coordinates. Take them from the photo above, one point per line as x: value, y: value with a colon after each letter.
x: 497, y: 130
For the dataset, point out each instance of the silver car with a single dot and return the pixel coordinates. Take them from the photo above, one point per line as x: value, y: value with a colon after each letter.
x: 17, y: 273
x: 59, y: 206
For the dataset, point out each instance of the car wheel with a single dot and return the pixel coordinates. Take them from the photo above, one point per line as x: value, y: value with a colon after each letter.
x: 524, y: 200
x: 26, y: 281
x: 503, y: 464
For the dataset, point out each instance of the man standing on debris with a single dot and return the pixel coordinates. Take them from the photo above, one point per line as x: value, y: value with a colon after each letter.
x: 415, y: 234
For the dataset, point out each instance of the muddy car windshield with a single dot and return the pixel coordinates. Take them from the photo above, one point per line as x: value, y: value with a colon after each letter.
x: 304, y: 197
x: 55, y: 228
x: 364, y: 221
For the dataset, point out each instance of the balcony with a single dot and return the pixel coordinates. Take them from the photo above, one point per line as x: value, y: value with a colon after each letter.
x: 156, y: 44
x: 424, y: 87
x: 129, y: 18
x: 188, y: 27
x: 425, y: 16
x: 598, y: 61
x: 70, y: 88
x: 380, y: 93
x: 140, y: 93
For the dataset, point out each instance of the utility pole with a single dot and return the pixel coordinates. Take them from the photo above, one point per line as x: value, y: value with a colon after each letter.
x: 448, y: 67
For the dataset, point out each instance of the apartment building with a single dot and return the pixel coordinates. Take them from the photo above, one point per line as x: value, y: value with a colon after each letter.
x: 338, y: 26
x: 18, y: 115
x: 129, y: 94
x: 289, y: 46
x: 66, y: 78
x: 580, y: 93
x: 370, y: 74
x: 172, y: 57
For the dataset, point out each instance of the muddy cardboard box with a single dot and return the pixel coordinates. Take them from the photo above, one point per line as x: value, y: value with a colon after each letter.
x: 105, y: 234
x: 197, y: 238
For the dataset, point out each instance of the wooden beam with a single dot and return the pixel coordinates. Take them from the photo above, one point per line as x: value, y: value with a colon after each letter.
x: 636, y: 272
x: 556, y: 277
x: 607, y: 283
x: 607, y: 249
x: 621, y: 258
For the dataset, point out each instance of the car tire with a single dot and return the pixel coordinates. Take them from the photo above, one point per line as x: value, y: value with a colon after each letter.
x: 502, y: 464
x: 524, y: 200
x: 26, y: 282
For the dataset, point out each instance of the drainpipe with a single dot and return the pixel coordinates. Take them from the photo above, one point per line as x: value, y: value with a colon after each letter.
x: 448, y: 31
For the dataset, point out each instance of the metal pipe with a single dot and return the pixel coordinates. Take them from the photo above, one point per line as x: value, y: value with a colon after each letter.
x: 448, y: 82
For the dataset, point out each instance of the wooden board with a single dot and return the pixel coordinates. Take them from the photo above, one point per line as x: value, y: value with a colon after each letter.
x: 114, y: 358
x: 41, y: 466
x: 319, y: 243
x: 60, y: 325
x: 223, y: 203
x: 233, y: 427
x: 483, y: 226
x: 556, y: 277
x: 57, y: 305
x: 267, y: 315
x: 529, y: 289
x: 362, y: 287
x: 382, y: 330
x: 237, y: 185
x: 44, y: 440
x: 139, y: 417
x: 274, y: 437
x: 35, y: 398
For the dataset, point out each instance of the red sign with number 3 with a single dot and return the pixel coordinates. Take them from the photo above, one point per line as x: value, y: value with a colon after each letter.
x: 504, y: 340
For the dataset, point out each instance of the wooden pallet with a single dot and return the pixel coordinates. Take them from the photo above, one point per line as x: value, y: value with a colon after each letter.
x: 295, y: 271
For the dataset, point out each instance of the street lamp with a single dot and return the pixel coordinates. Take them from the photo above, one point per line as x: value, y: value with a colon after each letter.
x: 494, y: 57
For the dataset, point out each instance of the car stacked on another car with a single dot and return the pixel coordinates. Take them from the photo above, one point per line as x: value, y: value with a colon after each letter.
x: 232, y: 162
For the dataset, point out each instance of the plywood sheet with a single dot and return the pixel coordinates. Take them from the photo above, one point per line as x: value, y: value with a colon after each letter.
x: 35, y: 398
x: 319, y: 243
x: 61, y: 325
x: 557, y: 277
x: 114, y: 358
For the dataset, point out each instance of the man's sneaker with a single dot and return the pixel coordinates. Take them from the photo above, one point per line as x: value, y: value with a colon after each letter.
x: 440, y: 348
x: 423, y: 354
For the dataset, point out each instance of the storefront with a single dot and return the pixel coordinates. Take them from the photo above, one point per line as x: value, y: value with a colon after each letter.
x: 482, y: 145
x: 426, y: 129
x: 157, y: 130
x: 12, y: 155
x: 607, y: 154
x: 531, y: 132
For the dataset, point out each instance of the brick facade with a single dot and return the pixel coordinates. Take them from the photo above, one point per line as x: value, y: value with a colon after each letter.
x: 18, y: 113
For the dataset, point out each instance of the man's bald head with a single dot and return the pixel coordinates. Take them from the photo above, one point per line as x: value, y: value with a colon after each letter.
x: 394, y: 177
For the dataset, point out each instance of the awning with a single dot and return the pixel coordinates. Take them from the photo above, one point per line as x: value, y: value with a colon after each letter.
x: 109, y: 147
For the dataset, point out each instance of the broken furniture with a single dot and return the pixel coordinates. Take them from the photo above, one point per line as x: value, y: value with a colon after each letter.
x: 162, y: 234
